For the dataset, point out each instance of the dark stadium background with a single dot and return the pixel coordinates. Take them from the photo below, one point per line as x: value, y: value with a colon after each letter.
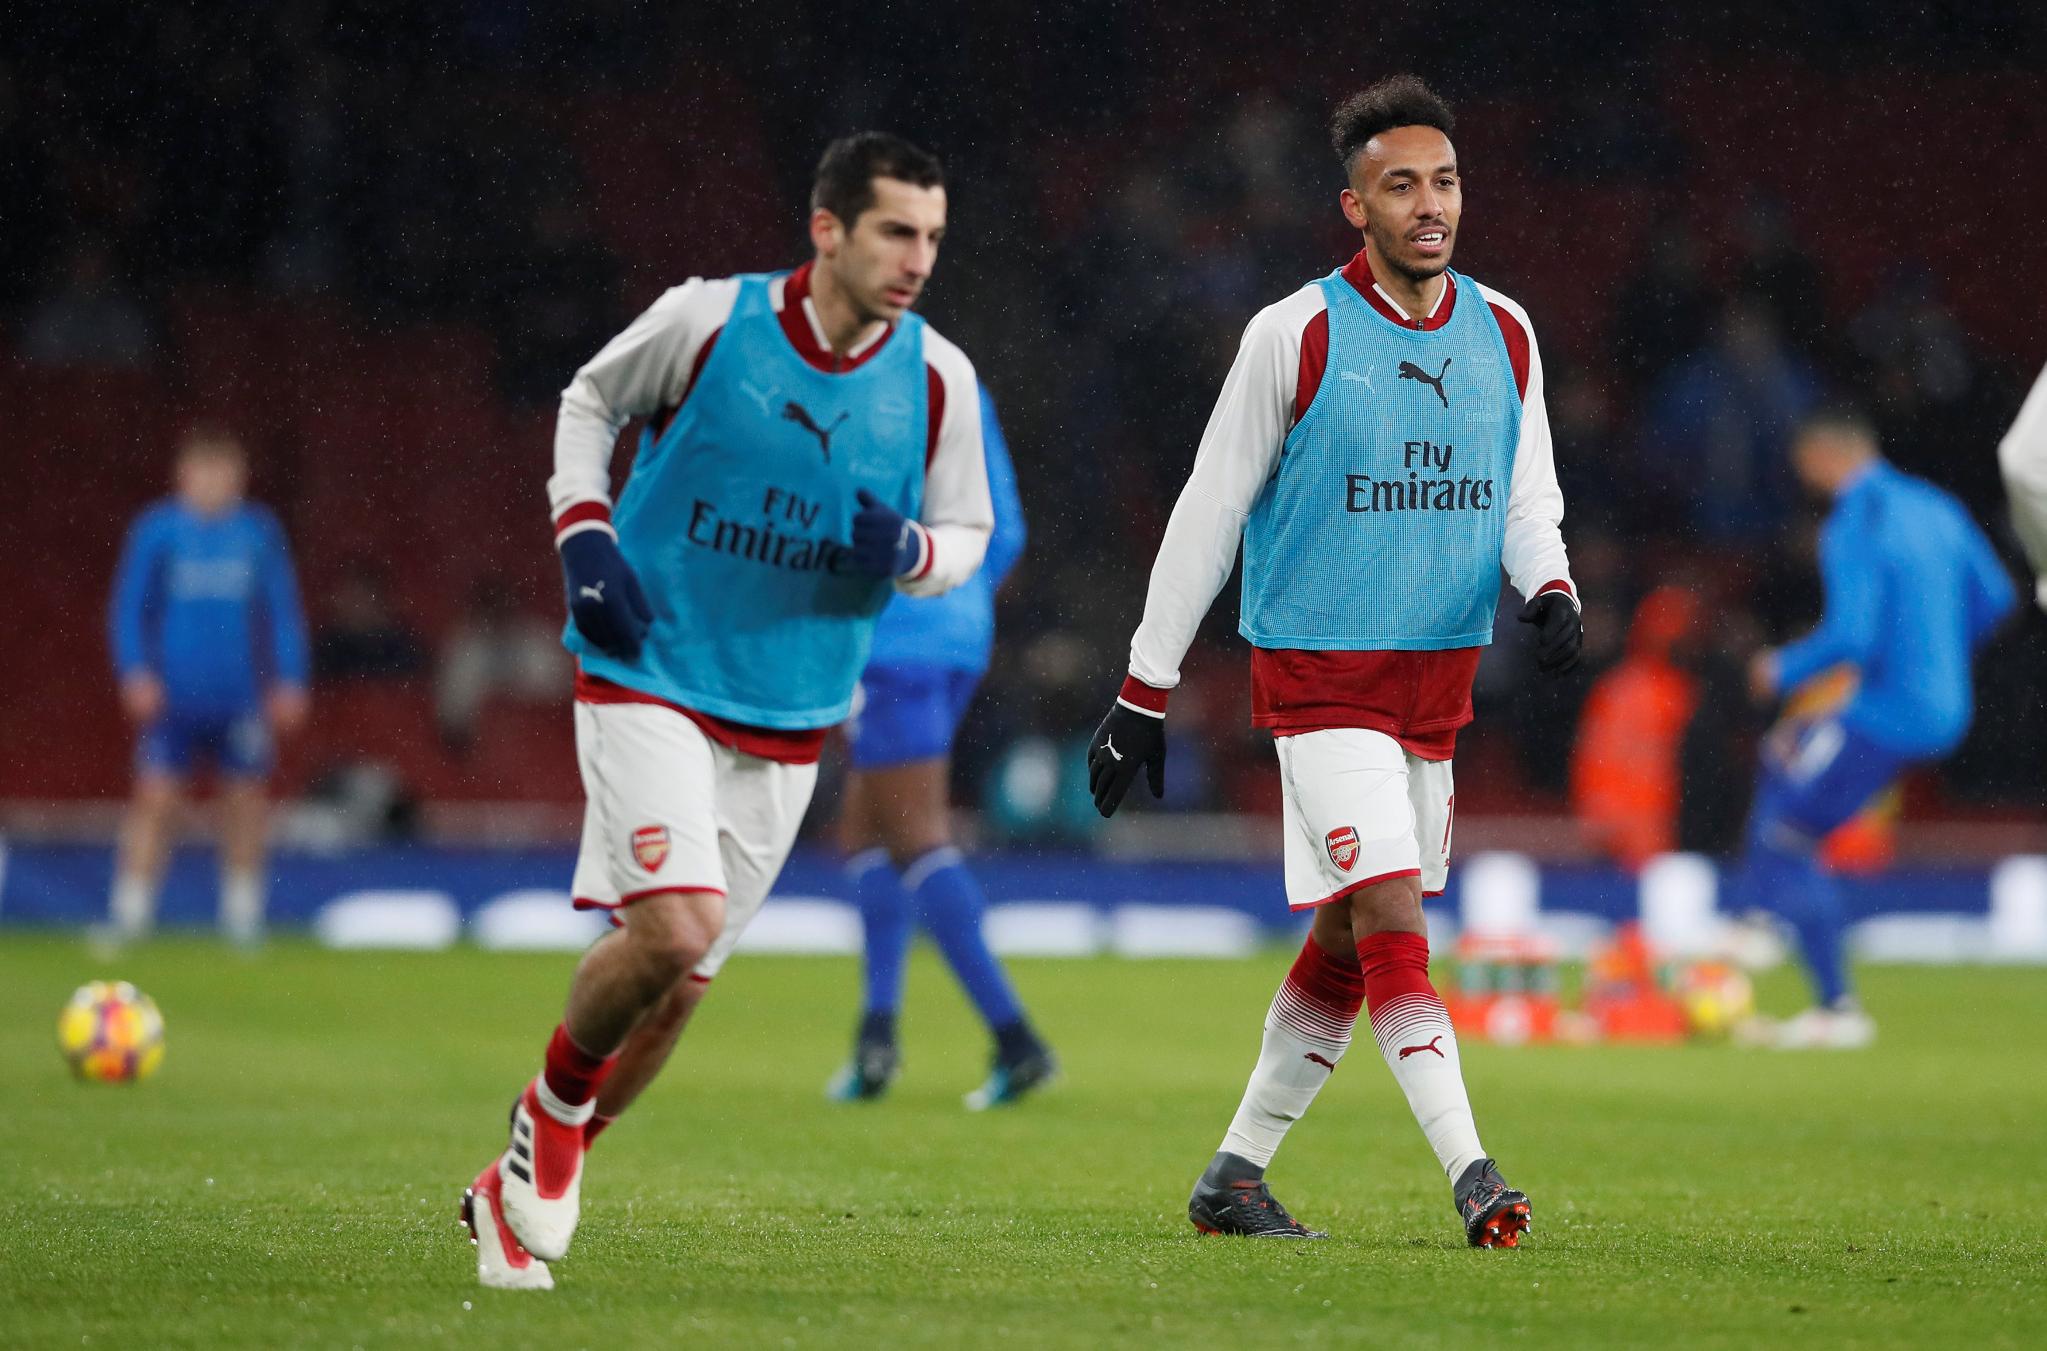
x: 376, y: 238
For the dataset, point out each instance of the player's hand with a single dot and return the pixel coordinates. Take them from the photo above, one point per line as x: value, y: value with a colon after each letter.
x: 605, y: 601
x: 142, y: 696
x: 1559, y: 632
x: 1762, y: 677
x: 1126, y: 742
x: 886, y: 543
x: 288, y: 707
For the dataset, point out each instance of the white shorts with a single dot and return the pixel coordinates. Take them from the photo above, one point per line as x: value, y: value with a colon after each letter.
x: 668, y: 809
x: 1360, y: 809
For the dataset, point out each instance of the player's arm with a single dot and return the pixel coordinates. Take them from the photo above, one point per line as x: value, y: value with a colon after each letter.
x: 2023, y: 457
x: 1849, y: 622
x: 1991, y: 596
x: 1532, y: 549
x: 933, y: 554
x: 643, y: 370
x: 1238, y: 452
x: 290, y: 661
x: 1006, y: 544
x: 131, y: 615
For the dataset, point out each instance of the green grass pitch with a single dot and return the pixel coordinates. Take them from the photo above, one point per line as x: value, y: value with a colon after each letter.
x: 290, y: 1178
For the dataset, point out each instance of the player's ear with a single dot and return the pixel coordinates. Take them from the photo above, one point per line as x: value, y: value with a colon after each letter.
x: 826, y: 233
x: 1353, y: 209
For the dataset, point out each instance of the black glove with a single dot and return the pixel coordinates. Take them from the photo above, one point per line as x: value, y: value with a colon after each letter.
x: 1126, y: 742
x: 1559, y: 632
x: 605, y: 600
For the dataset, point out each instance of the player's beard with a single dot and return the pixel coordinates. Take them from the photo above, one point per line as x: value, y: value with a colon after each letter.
x: 1414, y: 269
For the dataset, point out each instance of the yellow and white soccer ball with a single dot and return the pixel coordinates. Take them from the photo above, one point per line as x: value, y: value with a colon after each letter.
x: 111, y: 1033
x: 1716, y: 997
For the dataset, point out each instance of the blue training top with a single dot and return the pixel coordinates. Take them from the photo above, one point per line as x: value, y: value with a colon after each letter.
x: 956, y: 631
x: 209, y: 605
x: 1912, y: 588
x: 1381, y: 529
x: 736, y: 516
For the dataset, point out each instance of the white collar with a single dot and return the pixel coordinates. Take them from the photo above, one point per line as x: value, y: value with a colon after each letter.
x: 875, y: 332
x: 1399, y: 308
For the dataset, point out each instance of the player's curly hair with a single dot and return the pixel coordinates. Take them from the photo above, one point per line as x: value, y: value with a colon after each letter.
x: 1396, y: 101
x: 845, y: 176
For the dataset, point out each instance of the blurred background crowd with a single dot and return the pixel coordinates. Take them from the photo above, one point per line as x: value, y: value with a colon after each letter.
x: 376, y: 238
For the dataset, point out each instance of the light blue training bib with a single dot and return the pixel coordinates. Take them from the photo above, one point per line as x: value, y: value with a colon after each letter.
x: 738, y: 514
x: 1381, y: 528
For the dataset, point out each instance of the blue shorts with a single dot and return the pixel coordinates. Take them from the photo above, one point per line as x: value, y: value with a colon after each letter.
x: 908, y: 713
x: 237, y: 744
x: 1828, y: 774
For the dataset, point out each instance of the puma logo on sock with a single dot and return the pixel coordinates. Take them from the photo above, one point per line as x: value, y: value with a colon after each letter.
x: 1429, y: 1045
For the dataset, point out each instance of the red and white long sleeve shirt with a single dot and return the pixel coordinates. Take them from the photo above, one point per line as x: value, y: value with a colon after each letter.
x: 1420, y: 699
x: 650, y: 369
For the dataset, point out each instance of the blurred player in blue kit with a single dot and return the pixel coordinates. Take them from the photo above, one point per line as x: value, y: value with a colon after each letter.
x: 929, y: 656
x: 209, y: 644
x: 1912, y: 590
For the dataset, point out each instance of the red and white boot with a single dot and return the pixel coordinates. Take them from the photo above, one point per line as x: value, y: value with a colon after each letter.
x: 502, y: 1262
x: 541, y: 1174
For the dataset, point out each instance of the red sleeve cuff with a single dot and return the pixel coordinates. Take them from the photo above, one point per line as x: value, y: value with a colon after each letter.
x: 1558, y: 585
x: 1142, y: 697
x: 583, y: 515
x: 923, y: 569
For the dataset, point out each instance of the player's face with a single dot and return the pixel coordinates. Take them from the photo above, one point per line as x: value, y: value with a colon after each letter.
x: 210, y: 484
x: 1824, y: 458
x: 1406, y: 196
x: 882, y: 263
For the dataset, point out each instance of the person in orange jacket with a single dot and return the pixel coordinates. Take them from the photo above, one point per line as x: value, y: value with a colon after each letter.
x: 1625, y: 780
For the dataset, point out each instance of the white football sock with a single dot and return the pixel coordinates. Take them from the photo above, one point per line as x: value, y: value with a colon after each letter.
x: 563, y: 1112
x: 132, y: 906
x: 1283, y: 1084
x: 241, y: 905
x: 1420, y: 1047
x: 1306, y: 1033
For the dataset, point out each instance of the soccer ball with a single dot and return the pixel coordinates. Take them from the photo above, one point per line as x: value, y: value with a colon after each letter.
x: 111, y: 1033
x: 1715, y: 996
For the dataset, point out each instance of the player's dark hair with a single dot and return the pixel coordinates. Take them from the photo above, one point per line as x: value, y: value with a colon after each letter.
x: 1396, y: 101
x: 1841, y: 418
x: 845, y: 176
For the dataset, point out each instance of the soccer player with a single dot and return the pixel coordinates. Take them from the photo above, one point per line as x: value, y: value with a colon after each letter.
x: 1381, y: 449
x: 2023, y: 457
x: 1912, y: 590
x: 929, y: 655
x: 813, y: 446
x: 209, y: 644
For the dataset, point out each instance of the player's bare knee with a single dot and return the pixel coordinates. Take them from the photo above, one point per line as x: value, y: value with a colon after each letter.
x: 1331, y: 928
x: 1392, y: 906
x: 909, y: 846
x: 672, y: 931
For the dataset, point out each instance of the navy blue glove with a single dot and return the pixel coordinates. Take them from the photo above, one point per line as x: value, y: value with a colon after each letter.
x: 605, y: 600
x: 886, y: 543
x: 1559, y: 632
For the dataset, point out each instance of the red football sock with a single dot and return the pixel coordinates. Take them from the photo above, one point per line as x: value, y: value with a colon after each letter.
x: 594, y: 1127
x: 572, y: 1073
x: 1394, y: 964
x: 1322, y: 994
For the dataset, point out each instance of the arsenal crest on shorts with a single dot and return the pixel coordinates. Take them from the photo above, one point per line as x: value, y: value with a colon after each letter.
x: 650, y: 847
x: 1343, y: 846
